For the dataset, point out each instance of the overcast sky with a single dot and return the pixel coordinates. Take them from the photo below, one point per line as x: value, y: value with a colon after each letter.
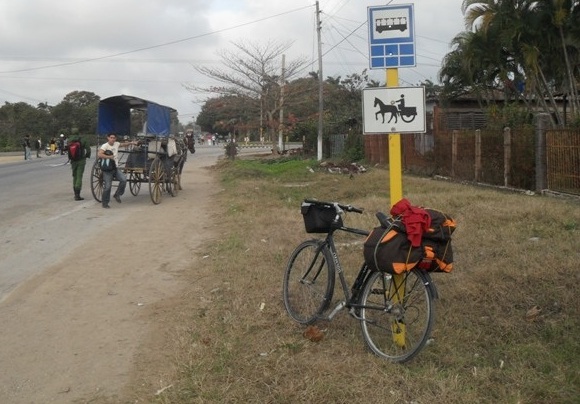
x: 146, y: 48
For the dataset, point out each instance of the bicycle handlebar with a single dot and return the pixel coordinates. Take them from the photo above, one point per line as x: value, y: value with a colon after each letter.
x: 346, y: 208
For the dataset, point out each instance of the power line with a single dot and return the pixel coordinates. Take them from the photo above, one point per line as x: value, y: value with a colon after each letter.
x: 353, y: 33
x: 116, y: 60
x: 20, y: 96
x: 157, y: 46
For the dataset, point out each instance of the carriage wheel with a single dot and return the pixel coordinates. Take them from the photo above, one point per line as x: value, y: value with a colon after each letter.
x: 156, y: 180
x: 97, y: 182
x: 408, y: 118
x: 135, y: 180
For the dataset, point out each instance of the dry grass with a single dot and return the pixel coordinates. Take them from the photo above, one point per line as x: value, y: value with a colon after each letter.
x: 235, y: 343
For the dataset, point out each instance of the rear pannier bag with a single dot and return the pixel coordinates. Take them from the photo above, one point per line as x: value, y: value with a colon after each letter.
x: 389, y: 250
x: 439, y: 255
x: 319, y: 218
x: 441, y: 228
x: 437, y: 241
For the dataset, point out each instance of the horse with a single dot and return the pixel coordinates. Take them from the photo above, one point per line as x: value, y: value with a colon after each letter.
x: 190, y: 141
x: 383, y: 109
x: 181, y: 157
x: 175, y: 155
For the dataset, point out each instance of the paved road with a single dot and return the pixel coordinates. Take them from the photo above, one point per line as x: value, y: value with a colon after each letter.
x: 40, y: 223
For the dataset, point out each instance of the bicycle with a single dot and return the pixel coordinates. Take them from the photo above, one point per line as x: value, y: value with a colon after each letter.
x: 396, y: 312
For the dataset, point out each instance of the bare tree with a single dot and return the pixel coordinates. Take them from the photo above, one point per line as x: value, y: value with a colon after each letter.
x: 252, y: 71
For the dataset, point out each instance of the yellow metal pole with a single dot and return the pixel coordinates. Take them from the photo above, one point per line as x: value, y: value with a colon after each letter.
x: 395, y: 166
x: 396, y: 192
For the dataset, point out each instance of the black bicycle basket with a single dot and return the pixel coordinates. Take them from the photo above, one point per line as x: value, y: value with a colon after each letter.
x: 319, y: 218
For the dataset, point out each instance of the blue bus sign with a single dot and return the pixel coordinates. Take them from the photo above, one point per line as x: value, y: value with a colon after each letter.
x: 392, y: 36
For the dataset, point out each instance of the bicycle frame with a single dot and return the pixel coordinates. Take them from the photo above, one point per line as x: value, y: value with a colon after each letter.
x: 350, y: 293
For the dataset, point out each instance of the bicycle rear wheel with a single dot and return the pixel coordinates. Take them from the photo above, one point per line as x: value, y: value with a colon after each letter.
x: 308, y: 281
x: 397, y: 314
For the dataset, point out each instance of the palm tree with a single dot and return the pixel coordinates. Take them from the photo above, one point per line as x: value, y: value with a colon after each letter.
x: 513, y: 41
x: 562, y: 17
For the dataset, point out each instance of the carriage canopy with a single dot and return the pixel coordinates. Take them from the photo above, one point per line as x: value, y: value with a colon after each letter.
x: 114, y: 116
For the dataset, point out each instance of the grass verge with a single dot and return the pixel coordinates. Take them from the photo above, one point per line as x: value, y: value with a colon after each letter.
x: 507, y: 320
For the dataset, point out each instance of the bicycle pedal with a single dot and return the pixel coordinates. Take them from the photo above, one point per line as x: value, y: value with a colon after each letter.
x: 338, y: 308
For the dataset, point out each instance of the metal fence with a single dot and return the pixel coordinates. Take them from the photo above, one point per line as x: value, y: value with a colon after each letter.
x: 563, y: 160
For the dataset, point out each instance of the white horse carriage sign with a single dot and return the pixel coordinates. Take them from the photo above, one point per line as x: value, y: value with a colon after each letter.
x: 394, y: 110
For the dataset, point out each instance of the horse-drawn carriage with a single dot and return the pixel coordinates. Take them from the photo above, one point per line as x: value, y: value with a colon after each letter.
x: 158, y: 158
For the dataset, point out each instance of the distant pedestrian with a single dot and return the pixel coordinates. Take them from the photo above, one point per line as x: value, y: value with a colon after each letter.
x: 52, y: 145
x: 38, y: 147
x: 26, y: 146
x: 61, y: 143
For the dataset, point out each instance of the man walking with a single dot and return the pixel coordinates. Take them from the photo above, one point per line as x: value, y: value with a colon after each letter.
x: 78, y: 154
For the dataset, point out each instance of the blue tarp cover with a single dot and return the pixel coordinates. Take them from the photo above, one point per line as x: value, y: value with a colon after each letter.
x: 114, y: 116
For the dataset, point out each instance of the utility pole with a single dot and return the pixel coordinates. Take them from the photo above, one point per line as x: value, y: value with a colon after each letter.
x: 320, y: 84
x: 261, y: 112
x: 281, y: 126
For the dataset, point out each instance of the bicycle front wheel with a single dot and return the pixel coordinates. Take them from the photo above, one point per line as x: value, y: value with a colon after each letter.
x: 397, y: 314
x: 308, y: 281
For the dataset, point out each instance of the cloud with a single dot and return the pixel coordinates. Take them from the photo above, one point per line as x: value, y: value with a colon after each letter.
x: 146, y: 48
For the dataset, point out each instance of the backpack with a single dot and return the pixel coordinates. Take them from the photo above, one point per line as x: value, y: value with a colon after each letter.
x: 75, y: 150
x: 107, y: 164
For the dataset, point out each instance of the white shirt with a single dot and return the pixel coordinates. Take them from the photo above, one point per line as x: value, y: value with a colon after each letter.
x: 114, y: 148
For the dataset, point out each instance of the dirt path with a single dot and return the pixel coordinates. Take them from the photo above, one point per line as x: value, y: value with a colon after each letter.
x: 93, y: 326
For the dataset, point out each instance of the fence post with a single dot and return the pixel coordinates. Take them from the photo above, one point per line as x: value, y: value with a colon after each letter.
x: 454, y: 136
x: 507, y: 155
x: 541, y: 125
x: 477, y: 155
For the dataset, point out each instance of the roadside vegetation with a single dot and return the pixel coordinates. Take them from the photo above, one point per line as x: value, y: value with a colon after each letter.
x: 507, y: 321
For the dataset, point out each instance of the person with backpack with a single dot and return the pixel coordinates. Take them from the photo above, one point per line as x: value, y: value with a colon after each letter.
x: 78, y: 153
